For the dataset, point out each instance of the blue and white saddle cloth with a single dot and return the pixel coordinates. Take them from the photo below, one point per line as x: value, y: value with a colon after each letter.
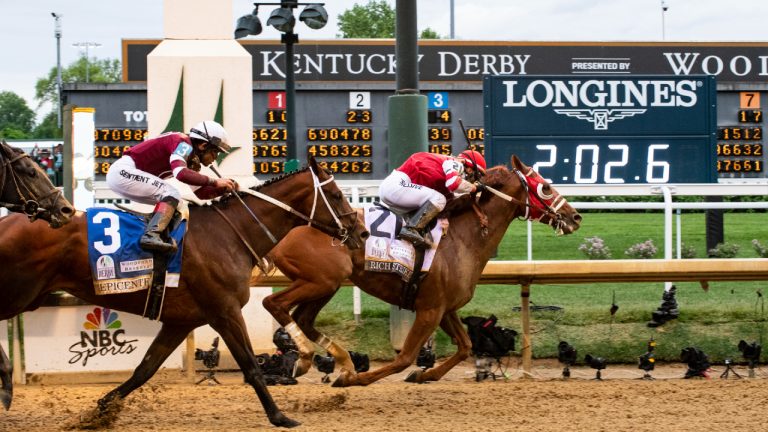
x: 118, y: 264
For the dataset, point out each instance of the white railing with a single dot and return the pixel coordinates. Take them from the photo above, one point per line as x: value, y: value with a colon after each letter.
x: 361, y: 192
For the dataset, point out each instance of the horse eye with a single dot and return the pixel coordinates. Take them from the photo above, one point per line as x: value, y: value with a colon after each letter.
x: 544, y: 191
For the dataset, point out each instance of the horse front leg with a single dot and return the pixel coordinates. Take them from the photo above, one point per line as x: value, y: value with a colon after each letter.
x: 6, y: 376
x: 108, y: 407
x: 452, y: 326
x: 423, y: 326
x: 231, y: 326
x: 310, y: 296
x: 305, y: 315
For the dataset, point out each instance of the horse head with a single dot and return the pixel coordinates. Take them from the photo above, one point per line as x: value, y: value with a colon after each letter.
x: 536, y: 199
x: 26, y: 188
x: 345, y: 225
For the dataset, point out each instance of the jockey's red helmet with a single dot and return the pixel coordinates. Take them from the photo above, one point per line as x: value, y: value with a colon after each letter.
x: 472, y: 158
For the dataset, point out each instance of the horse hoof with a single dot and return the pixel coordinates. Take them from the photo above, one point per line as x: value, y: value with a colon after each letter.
x: 343, y: 380
x: 302, y: 366
x: 6, y: 397
x: 281, y: 420
x: 414, y: 376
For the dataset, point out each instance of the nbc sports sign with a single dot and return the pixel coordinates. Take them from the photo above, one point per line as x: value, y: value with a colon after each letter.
x: 86, y: 339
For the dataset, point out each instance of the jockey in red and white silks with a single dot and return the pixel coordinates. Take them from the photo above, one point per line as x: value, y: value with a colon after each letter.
x: 425, y: 182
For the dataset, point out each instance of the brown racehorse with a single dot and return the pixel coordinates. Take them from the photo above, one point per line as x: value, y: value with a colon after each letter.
x: 25, y: 188
x: 318, y: 271
x: 221, y: 247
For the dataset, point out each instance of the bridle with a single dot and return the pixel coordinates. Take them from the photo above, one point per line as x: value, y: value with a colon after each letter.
x: 30, y: 204
x: 537, y: 204
x: 341, y: 232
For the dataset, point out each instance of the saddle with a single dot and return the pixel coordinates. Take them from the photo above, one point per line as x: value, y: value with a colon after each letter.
x: 385, y: 252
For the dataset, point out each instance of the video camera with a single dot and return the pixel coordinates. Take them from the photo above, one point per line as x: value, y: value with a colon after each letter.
x: 489, y: 340
x: 326, y: 364
x: 698, y: 362
x: 750, y: 352
x: 426, y: 358
x: 283, y: 341
x: 211, y: 357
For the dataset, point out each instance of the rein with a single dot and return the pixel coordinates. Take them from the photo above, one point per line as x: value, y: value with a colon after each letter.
x: 544, y: 208
x: 343, y: 232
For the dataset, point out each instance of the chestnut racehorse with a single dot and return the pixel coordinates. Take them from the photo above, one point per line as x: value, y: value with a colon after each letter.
x: 317, y: 271
x: 25, y: 188
x: 222, y: 245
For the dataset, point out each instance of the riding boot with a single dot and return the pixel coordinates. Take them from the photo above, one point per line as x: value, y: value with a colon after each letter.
x: 412, y: 229
x: 667, y: 311
x: 152, y: 240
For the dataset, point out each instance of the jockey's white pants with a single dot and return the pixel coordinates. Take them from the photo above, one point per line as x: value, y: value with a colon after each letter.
x: 398, y: 190
x: 124, y: 178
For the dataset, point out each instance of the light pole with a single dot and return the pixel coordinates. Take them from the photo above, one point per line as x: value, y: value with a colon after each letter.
x: 57, y: 34
x: 453, y: 33
x: 86, y: 45
x: 664, y: 8
x: 282, y: 19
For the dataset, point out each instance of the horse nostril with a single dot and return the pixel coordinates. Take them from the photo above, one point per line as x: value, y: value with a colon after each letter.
x: 577, y: 218
x: 67, y: 210
x: 364, y: 235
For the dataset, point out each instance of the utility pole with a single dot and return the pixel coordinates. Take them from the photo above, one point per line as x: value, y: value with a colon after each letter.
x: 57, y: 33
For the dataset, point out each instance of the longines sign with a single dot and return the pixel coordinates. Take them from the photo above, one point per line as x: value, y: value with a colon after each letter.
x: 444, y: 61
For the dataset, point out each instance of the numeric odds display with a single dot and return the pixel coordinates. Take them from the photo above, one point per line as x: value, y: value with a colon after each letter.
x: 345, y: 128
x: 109, y: 145
x: 740, y: 148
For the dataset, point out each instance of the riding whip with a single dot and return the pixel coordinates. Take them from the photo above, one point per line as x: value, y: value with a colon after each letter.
x: 469, y: 147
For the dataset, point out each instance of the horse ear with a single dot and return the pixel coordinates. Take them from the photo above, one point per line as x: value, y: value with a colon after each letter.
x: 517, y: 163
x: 312, y: 163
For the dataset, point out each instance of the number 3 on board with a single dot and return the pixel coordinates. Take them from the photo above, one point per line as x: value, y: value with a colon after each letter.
x: 437, y: 100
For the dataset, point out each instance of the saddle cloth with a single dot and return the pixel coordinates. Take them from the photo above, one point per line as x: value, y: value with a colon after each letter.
x: 387, y: 254
x: 118, y: 264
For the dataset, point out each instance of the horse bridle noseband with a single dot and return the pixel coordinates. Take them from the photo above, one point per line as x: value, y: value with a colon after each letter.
x: 30, y: 207
x: 545, y: 208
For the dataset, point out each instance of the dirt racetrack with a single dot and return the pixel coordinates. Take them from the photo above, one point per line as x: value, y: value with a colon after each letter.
x: 620, y: 402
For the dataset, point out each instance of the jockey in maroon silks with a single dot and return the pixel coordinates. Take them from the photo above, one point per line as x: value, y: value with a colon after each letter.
x: 139, y: 175
x: 424, y: 183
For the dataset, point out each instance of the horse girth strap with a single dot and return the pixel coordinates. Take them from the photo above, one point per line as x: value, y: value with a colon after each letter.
x: 259, y: 261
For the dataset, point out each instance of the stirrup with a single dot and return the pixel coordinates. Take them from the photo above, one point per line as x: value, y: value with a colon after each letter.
x: 411, y: 235
x: 153, y: 242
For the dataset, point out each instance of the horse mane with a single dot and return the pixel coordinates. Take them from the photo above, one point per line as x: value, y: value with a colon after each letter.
x: 279, y: 178
x: 496, y: 177
x: 222, y: 200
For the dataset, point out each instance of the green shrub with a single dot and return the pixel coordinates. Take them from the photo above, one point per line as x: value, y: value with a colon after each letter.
x: 762, y: 251
x: 644, y: 250
x: 687, y: 251
x: 724, y: 250
x: 595, y: 248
